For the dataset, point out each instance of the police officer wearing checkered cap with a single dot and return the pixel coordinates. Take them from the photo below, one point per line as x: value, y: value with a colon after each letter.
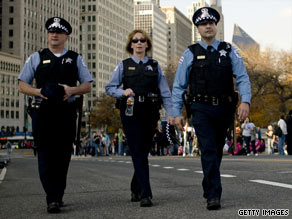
x: 59, y: 75
x: 142, y: 79
x: 207, y: 68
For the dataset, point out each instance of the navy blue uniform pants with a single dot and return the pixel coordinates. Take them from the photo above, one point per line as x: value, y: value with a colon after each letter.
x: 211, y: 124
x: 139, y: 130
x: 56, y: 128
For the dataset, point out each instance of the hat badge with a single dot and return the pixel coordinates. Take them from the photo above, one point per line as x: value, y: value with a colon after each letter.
x: 57, y: 20
x: 205, y: 13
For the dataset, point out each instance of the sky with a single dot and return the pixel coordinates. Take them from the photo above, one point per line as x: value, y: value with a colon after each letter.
x: 268, y: 22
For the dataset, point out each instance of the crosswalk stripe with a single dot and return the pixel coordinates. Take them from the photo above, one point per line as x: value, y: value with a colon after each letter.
x: 289, y: 186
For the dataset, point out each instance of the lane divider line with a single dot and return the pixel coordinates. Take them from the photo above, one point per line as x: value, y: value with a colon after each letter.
x: 168, y: 167
x: 288, y: 186
x: 3, y: 173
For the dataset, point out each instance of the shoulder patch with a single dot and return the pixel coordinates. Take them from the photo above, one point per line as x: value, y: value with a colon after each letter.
x: 27, y: 60
x: 236, y: 53
x: 181, y: 60
x: 83, y: 63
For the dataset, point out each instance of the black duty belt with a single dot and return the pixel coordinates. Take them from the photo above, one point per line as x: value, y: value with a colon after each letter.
x: 148, y: 97
x: 212, y: 100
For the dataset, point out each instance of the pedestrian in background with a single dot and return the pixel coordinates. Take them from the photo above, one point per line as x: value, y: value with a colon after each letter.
x: 144, y: 87
x: 9, y: 149
x: 208, y: 68
x: 282, y: 124
x: 248, y: 130
x: 57, y: 72
x: 270, y: 139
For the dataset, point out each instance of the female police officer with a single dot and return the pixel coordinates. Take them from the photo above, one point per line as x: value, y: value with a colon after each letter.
x: 56, y: 72
x: 208, y: 68
x: 142, y: 79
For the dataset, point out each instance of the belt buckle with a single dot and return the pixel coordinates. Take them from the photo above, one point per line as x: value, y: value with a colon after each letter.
x: 215, y: 101
x: 141, y: 99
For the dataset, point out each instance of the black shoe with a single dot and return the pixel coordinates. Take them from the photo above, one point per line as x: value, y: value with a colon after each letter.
x: 62, y: 204
x: 135, y: 197
x: 213, y: 204
x: 53, y: 207
x: 146, y: 202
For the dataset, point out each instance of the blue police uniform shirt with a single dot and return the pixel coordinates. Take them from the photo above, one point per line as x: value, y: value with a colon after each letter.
x: 181, y: 80
x: 112, y: 89
x: 31, y: 64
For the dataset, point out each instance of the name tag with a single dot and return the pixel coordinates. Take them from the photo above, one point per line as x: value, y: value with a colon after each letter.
x: 46, y: 61
x: 131, y: 68
x: 201, y: 57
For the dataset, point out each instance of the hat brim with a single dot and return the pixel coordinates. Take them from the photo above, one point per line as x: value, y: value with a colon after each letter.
x: 205, y: 21
x: 57, y: 30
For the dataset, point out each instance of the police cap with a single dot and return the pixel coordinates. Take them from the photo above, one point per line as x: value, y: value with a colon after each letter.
x: 59, y: 25
x: 204, y: 15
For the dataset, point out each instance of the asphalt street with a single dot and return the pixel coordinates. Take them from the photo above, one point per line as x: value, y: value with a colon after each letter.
x: 100, y: 188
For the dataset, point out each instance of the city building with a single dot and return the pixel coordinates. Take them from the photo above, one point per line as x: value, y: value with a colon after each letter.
x: 104, y: 29
x: 179, y: 33
x: 151, y: 19
x: 241, y: 40
x: 216, y: 4
x: 22, y: 32
x: 11, y: 105
x: 23, y: 24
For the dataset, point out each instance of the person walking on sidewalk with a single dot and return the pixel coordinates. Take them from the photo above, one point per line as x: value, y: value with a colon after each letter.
x: 57, y: 72
x: 208, y: 68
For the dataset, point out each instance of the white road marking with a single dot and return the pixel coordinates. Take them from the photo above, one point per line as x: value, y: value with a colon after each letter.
x: 227, y: 175
x: 285, y: 172
x: 155, y: 165
x: 183, y: 169
x: 222, y: 175
x: 289, y: 186
x: 128, y: 162
x: 168, y: 167
x: 2, y: 175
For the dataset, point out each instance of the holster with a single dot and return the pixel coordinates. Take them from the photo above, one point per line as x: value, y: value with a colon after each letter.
x: 187, y: 102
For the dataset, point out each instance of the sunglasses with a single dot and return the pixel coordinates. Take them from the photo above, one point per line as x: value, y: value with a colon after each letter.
x: 142, y: 40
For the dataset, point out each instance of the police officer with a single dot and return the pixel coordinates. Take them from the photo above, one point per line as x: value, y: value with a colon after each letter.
x: 208, y: 68
x: 142, y: 79
x: 56, y: 71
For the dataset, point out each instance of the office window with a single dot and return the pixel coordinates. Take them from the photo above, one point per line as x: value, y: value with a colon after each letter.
x: 10, y: 44
x: 11, y: 9
x: 10, y: 33
x: 11, y: 20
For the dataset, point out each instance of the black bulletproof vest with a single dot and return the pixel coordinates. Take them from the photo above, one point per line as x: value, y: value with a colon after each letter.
x: 211, y: 73
x: 54, y: 69
x: 141, y: 78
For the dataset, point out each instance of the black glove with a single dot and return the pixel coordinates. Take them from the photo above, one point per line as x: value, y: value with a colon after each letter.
x: 53, y: 91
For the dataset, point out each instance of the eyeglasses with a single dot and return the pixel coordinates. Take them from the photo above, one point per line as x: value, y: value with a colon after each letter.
x: 142, y: 40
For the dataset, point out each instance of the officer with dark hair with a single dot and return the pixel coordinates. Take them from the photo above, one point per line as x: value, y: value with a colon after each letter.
x: 57, y: 72
x: 143, y: 81
x: 208, y: 68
